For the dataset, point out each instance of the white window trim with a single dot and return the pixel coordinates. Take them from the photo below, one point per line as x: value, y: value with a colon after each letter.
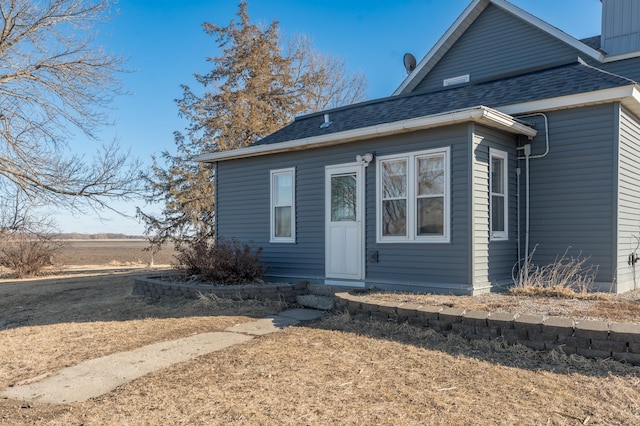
x: 412, y: 220
x: 272, y: 175
x: 499, y: 235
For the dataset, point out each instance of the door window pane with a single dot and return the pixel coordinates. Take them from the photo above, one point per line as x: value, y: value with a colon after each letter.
x: 343, y: 198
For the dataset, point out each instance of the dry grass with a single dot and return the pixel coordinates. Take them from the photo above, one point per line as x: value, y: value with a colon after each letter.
x: 550, y: 301
x: 334, y: 371
x: 347, y: 372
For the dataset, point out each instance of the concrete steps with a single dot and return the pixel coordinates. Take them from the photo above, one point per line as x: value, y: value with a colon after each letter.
x: 321, y: 296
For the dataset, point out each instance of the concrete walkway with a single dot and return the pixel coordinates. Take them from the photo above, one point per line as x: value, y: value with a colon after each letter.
x: 98, y: 376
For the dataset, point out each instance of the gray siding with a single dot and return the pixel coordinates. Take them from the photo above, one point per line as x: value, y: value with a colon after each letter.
x: 629, y: 68
x: 243, y: 213
x: 492, y: 260
x: 629, y: 200
x: 573, y: 189
x: 441, y: 266
x: 497, y: 43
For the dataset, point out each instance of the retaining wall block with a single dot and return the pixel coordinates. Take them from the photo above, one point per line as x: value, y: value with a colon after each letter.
x: 388, y: 307
x: 429, y: 313
x: 301, y: 287
x: 593, y: 353
x: 370, y: 306
x: 340, y: 302
x: 608, y: 345
x: 534, y: 344
x: 360, y: 314
x: 592, y: 330
x: 380, y: 316
x: 451, y: 315
x: 558, y: 326
x: 355, y: 304
x: 487, y: 332
x: 622, y: 332
x: 568, y: 350
x: 543, y: 337
x: 514, y: 335
x: 466, y: 330
x: 628, y: 357
x: 475, y: 318
x: 634, y: 347
x: 501, y: 320
x: 417, y: 321
x: 406, y: 310
x: 574, y: 341
x: 530, y: 323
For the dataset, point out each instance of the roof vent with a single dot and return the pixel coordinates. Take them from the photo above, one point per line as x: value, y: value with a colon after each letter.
x: 455, y: 80
x: 327, y: 122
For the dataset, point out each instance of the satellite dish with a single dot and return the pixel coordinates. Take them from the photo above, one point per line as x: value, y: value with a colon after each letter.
x: 409, y: 62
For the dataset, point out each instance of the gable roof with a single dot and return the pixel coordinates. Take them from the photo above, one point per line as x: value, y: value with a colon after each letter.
x: 486, y: 102
x: 465, y: 20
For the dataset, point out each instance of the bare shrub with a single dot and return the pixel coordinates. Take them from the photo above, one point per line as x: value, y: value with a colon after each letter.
x: 28, y: 254
x: 565, y: 275
x: 222, y: 261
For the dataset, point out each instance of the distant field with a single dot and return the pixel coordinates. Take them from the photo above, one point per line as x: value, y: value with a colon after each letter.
x: 111, y: 252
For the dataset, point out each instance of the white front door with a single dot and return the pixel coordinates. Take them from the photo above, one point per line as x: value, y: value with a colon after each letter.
x: 344, y: 218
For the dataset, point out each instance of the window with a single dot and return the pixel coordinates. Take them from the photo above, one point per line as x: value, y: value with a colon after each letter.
x: 413, y: 197
x: 499, y: 202
x: 283, y: 211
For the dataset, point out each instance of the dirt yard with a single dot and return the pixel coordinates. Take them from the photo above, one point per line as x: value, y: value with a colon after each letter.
x: 334, y: 371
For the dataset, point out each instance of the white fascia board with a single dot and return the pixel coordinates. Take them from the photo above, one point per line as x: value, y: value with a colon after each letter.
x: 443, y: 45
x: 581, y: 99
x: 621, y: 57
x: 466, y: 19
x: 479, y: 114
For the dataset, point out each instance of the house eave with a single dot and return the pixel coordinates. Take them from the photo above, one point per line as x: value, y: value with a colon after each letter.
x: 465, y: 20
x: 480, y: 114
x: 629, y: 96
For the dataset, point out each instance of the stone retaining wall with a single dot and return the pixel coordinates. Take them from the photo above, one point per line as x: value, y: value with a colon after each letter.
x: 592, y: 339
x: 156, y: 287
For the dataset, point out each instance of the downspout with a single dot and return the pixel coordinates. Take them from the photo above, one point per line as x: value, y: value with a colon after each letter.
x: 527, y: 157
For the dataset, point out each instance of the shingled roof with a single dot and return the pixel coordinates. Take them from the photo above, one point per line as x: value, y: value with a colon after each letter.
x: 564, y: 80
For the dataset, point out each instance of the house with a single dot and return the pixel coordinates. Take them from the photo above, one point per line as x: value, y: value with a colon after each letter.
x: 508, y: 135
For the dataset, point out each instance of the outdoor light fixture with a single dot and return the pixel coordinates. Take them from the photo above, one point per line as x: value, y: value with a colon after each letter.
x: 364, y: 159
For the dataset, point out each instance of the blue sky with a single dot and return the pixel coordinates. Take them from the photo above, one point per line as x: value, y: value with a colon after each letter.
x: 165, y: 44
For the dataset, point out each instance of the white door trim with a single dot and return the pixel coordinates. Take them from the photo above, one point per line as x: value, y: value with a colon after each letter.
x: 356, y: 278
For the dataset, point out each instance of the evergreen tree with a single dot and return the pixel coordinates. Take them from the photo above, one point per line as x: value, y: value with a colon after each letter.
x: 253, y: 90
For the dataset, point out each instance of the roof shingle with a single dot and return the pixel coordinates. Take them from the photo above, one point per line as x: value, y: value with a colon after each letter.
x: 553, y: 82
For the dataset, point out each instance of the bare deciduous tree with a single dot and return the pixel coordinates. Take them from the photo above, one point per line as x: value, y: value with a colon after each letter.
x: 54, y: 84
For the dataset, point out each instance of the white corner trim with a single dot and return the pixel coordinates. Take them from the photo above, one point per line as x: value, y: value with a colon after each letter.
x: 481, y: 114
